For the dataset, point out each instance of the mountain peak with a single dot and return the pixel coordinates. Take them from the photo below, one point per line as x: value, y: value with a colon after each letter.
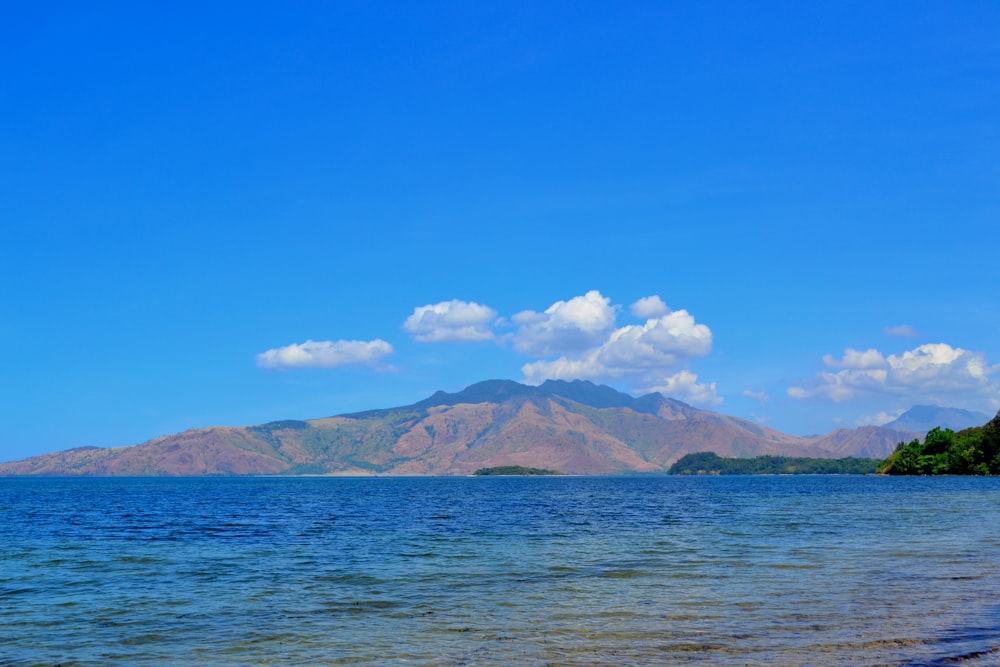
x: 583, y: 392
x: 572, y: 426
x: 487, y: 391
x: 587, y: 393
x: 922, y: 418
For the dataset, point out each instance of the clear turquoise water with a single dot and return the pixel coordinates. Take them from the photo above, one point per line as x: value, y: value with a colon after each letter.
x: 500, y: 571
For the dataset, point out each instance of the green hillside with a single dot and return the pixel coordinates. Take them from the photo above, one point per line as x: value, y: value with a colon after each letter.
x: 971, y: 451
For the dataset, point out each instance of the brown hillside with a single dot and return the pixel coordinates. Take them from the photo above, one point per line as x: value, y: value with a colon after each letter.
x: 573, y: 427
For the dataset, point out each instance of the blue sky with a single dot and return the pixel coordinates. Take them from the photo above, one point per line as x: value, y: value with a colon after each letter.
x: 235, y: 214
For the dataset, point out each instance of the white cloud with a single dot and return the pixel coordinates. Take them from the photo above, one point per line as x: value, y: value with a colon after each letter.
x: 856, y: 360
x: 685, y: 386
x: 901, y: 330
x: 935, y: 372
x: 649, y: 307
x: 759, y: 396
x: 325, y: 354
x: 880, y: 418
x: 645, y: 352
x: 666, y: 341
x: 572, y: 339
x: 450, y: 321
x: 565, y: 326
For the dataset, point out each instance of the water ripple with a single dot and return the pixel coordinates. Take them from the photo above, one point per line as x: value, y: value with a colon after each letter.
x: 493, y: 571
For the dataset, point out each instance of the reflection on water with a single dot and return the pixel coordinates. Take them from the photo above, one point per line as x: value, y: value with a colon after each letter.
x: 500, y: 571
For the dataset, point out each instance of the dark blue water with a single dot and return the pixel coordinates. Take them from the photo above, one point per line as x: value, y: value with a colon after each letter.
x: 500, y: 571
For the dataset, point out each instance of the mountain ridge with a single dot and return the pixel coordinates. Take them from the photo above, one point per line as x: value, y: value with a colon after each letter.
x: 575, y: 427
x: 922, y: 418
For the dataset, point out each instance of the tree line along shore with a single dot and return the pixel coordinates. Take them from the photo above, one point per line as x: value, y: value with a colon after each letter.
x: 971, y: 451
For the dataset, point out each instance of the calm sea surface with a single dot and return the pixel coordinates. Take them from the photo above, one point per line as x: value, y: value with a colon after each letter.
x: 817, y: 570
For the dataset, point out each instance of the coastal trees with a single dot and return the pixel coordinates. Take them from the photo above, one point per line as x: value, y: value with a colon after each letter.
x: 709, y: 463
x: 972, y: 451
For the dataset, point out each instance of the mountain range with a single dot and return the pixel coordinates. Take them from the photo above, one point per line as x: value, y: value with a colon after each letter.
x: 574, y: 427
x: 922, y: 418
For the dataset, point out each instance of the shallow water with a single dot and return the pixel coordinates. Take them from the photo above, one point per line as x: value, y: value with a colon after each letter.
x: 818, y: 570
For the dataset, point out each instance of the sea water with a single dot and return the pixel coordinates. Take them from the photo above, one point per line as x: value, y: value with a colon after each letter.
x: 813, y: 570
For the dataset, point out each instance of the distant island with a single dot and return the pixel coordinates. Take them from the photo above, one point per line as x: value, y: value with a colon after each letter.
x: 971, y: 451
x: 514, y: 470
x: 710, y: 463
x: 588, y: 429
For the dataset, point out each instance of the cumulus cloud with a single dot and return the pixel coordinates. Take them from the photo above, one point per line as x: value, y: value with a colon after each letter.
x: 573, y: 339
x: 685, y: 386
x: 904, y: 330
x: 856, y: 360
x: 933, y: 372
x: 647, y: 353
x: 879, y: 418
x: 565, y: 326
x: 325, y: 354
x: 665, y: 341
x: 450, y: 321
x: 649, y: 307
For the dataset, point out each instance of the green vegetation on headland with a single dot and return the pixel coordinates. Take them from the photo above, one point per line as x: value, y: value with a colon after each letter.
x: 709, y: 463
x: 972, y: 451
x: 515, y: 470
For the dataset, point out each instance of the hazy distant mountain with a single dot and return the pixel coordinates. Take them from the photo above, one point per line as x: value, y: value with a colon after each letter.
x: 923, y: 418
x: 868, y: 442
x: 573, y: 427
